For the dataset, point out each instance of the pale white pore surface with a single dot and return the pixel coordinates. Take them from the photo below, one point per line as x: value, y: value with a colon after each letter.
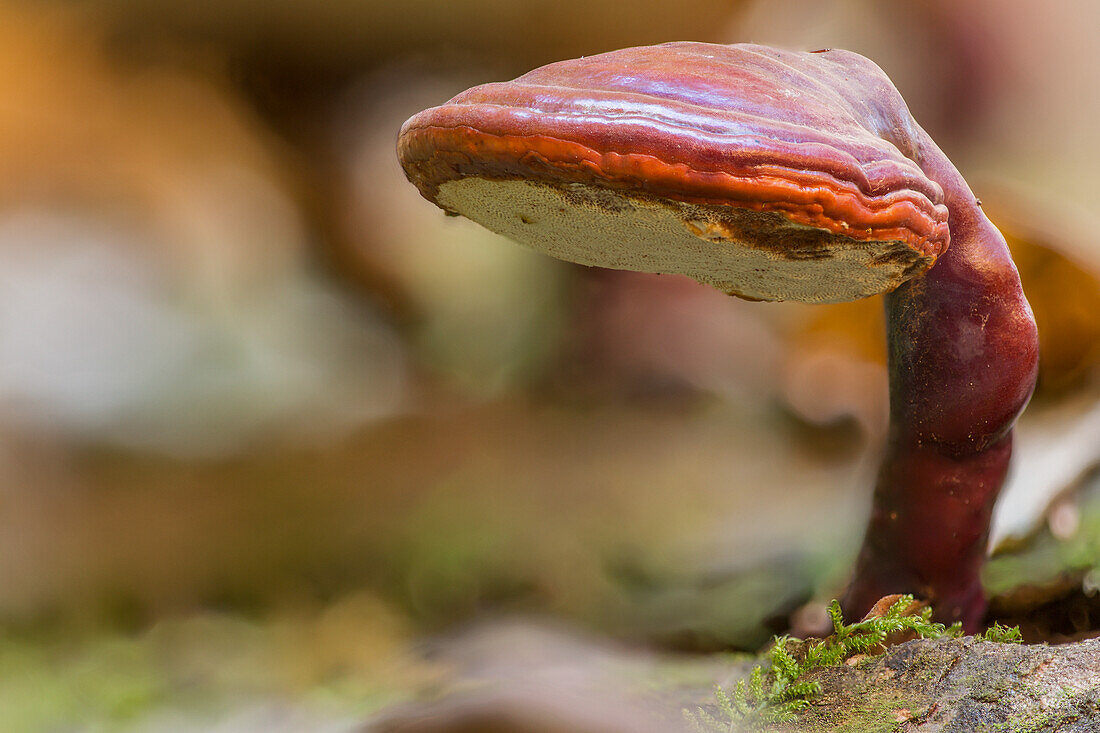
x: 601, y: 227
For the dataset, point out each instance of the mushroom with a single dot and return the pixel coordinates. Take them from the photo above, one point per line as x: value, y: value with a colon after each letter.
x: 776, y: 175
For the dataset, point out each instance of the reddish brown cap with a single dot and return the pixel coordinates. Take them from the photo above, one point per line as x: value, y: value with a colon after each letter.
x: 770, y: 174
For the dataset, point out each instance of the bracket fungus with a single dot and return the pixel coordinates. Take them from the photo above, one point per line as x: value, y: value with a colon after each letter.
x: 776, y: 175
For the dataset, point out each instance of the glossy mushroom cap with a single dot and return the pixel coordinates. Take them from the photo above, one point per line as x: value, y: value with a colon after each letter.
x: 769, y: 174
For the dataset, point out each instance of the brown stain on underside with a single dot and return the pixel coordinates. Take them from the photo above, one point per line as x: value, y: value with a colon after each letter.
x: 775, y: 233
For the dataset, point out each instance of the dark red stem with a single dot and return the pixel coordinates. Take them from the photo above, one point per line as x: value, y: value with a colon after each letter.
x: 963, y: 357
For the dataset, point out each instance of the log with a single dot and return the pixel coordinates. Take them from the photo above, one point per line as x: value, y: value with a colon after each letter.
x: 534, y: 680
x: 961, y: 686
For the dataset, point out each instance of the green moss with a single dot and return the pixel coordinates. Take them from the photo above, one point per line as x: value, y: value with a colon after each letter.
x: 777, y: 691
x: 875, y: 712
x: 1002, y: 634
x: 782, y: 688
x: 987, y: 688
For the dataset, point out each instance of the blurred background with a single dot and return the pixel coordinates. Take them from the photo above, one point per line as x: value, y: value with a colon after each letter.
x: 268, y: 420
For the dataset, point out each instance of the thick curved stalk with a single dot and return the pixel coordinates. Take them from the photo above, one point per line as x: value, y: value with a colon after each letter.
x: 963, y: 357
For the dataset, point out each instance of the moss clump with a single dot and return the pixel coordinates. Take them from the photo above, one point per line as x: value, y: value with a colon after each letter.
x: 1002, y: 634
x: 776, y: 690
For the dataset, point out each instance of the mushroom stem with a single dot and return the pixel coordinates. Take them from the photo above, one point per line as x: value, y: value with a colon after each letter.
x: 963, y: 358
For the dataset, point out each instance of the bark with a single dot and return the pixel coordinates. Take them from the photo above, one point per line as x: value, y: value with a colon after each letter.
x: 961, y: 686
